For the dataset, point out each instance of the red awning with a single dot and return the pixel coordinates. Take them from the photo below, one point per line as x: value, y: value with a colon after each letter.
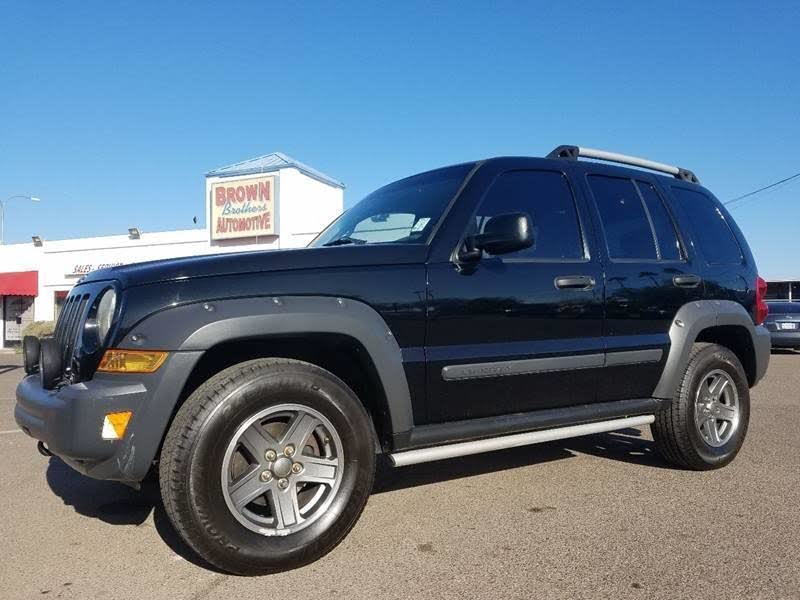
x: 22, y: 283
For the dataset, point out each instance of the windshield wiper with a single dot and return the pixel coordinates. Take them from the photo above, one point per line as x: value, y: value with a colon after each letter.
x: 345, y: 239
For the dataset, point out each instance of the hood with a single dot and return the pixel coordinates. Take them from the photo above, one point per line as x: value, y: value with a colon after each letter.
x: 238, y: 263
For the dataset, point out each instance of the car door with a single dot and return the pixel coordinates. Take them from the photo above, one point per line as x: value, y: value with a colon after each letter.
x: 521, y: 331
x: 649, y: 275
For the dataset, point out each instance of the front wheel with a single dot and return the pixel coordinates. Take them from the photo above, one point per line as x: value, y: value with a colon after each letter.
x: 706, y: 423
x: 267, y: 466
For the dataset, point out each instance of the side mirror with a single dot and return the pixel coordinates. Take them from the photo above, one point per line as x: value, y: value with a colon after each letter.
x: 502, y: 234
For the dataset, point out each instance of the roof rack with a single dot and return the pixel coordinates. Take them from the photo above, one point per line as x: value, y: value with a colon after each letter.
x: 573, y: 152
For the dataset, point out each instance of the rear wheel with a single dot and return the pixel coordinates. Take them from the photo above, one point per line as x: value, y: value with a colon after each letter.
x: 267, y: 466
x: 706, y: 423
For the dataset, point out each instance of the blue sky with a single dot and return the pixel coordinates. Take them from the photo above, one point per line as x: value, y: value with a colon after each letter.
x: 112, y: 112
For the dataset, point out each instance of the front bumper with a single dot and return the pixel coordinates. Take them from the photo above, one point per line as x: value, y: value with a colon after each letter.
x: 69, y: 420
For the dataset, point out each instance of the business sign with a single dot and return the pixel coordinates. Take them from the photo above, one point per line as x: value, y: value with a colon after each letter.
x: 85, y: 269
x: 243, y: 207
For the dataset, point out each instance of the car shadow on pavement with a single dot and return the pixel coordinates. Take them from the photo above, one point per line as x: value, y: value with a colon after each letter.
x: 626, y: 445
x: 118, y: 504
x: 8, y: 368
x: 107, y: 501
x: 388, y: 478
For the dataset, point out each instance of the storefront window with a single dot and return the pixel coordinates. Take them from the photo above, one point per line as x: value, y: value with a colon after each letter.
x: 17, y: 314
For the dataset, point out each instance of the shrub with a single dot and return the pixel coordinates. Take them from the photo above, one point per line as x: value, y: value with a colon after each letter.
x: 39, y: 328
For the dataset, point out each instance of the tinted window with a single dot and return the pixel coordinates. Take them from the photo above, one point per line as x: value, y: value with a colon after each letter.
x: 547, y: 199
x: 796, y: 291
x: 627, y: 228
x: 405, y: 211
x: 668, y: 245
x: 712, y: 232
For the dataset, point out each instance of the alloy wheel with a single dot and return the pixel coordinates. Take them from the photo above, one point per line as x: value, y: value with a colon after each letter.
x: 717, y: 408
x: 281, y: 469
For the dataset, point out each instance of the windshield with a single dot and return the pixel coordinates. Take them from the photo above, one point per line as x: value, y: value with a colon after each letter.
x: 403, y: 212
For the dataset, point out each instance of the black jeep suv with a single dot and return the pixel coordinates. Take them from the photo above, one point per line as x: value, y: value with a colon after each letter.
x: 481, y: 306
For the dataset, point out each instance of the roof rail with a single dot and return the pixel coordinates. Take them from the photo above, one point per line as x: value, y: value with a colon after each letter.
x: 573, y: 152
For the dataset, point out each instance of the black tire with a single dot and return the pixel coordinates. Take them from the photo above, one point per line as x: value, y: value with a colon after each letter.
x: 30, y: 353
x: 50, y: 363
x: 676, y: 434
x: 192, y: 458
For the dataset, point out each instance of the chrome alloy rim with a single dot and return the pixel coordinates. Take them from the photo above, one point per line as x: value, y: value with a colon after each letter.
x: 282, y: 469
x: 716, y: 408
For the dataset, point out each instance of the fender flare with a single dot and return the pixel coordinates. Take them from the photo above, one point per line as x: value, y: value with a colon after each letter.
x: 196, y: 327
x: 690, y: 320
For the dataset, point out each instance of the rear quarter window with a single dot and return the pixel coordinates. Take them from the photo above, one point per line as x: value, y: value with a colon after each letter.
x: 712, y: 232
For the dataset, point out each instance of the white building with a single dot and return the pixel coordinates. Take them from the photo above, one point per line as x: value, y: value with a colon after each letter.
x: 265, y: 203
x: 784, y: 289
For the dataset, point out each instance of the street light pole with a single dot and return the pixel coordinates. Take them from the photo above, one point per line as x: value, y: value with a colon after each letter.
x: 3, y: 213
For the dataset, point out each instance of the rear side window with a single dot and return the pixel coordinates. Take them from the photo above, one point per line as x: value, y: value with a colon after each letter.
x: 547, y: 199
x: 712, y: 232
x: 668, y: 246
x: 626, y: 224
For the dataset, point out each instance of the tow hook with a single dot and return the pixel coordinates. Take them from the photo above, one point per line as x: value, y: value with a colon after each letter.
x: 43, y: 449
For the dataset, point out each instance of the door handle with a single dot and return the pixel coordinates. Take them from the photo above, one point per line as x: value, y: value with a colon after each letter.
x: 574, y: 282
x: 686, y: 281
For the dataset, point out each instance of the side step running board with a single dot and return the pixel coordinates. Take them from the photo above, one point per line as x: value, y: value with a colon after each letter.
x: 422, y: 455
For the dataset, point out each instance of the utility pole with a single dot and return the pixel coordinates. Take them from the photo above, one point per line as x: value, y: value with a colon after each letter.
x: 3, y: 213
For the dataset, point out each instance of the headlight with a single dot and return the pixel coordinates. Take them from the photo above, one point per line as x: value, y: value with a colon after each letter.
x: 105, y: 313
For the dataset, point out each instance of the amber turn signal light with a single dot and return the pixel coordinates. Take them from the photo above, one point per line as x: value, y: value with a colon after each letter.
x: 115, y: 424
x: 131, y: 361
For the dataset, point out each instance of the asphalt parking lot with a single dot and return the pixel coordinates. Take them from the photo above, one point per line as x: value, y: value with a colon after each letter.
x: 596, y: 517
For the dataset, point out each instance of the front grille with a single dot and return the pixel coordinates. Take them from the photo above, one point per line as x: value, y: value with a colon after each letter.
x: 68, y: 326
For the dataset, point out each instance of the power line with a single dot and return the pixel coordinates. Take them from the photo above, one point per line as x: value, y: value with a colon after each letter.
x: 759, y: 190
x: 764, y: 196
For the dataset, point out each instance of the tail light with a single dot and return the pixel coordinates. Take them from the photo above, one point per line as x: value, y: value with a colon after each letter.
x: 762, y: 308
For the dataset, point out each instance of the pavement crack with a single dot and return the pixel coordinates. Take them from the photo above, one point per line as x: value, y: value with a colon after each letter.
x: 538, y: 509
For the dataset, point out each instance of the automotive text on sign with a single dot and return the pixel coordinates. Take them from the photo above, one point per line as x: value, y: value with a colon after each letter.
x: 243, y: 208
